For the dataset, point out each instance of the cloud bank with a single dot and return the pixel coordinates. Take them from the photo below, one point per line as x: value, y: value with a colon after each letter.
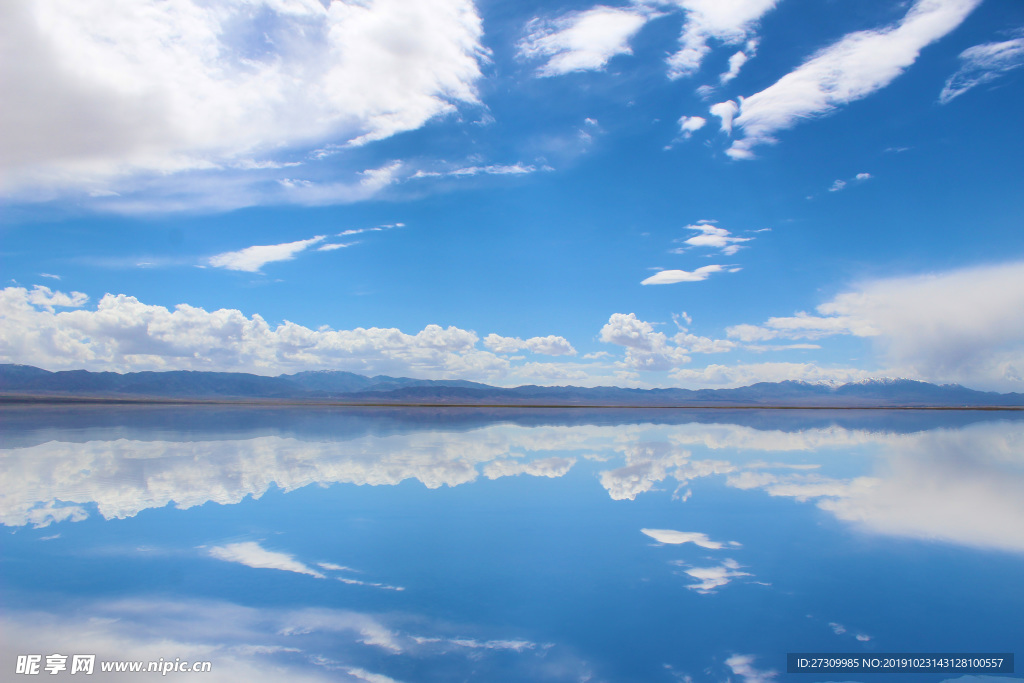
x: 962, y: 326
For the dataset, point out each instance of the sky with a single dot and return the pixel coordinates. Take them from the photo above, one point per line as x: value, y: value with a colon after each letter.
x: 687, y: 193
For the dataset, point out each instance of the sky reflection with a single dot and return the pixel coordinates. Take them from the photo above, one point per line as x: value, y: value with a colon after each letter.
x: 509, y: 547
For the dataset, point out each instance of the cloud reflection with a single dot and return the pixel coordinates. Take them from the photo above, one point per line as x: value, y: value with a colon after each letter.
x: 267, y: 645
x: 953, y: 484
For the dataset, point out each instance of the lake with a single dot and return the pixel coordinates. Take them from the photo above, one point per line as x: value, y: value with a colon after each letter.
x: 377, y: 544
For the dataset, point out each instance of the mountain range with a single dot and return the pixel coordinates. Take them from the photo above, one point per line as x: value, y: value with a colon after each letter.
x: 24, y: 382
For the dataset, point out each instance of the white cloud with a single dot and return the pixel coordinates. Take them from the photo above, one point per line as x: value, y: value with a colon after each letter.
x: 857, y: 65
x: 492, y: 169
x: 551, y: 468
x: 46, y: 298
x: 743, y: 666
x: 729, y: 22
x: 650, y: 350
x: 333, y: 247
x: 983, y: 64
x: 737, y: 60
x: 550, y: 345
x: 714, y: 237
x: 710, y: 579
x: 959, y: 486
x: 251, y: 259
x: 726, y: 111
x: 252, y: 554
x: 50, y: 275
x: 581, y: 41
x: 689, y: 124
x: 962, y: 325
x: 841, y: 184
x: 670, y: 277
x: 745, y: 374
x: 376, y: 228
x: 672, y: 537
x: 101, y: 93
x: 124, y: 334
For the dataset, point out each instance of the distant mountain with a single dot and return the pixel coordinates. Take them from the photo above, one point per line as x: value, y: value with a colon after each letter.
x: 23, y: 381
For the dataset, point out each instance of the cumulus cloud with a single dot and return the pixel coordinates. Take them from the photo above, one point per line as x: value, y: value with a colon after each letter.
x: 727, y: 22
x: 671, y: 277
x: 650, y: 350
x: 551, y: 468
x: 125, y: 334
x: 550, y: 345
x: 103, y: 93
x: 963, y: 325
x: 983, y: 64
x: 252, y: 259
x: 672, y: 537
x: 581, y: 41
x: 854, y: 67
x: 46, y: 298
x: 713, y: 237
x: 252, y: 554
x: 645, y: 348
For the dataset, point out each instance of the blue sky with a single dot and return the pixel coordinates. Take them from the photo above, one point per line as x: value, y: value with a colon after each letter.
x: 687, y: 193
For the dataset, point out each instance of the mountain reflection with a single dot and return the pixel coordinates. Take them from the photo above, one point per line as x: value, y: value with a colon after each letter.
x: 945, y: 477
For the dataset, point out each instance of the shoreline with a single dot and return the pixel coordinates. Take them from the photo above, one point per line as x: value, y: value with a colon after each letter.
x: 37, y: 399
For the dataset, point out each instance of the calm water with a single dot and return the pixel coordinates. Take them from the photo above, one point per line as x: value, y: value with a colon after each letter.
x: 462, y: 545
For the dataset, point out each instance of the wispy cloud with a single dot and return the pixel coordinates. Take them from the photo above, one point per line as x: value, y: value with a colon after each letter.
x: 743, y: 666
x: 252, y: 554
x: 710, y: 579
x: 376, y: 228
x: 672, y: 537
x: 492, y: 169
x: 252, y: 259
x: 840, y: 184
x: 728, y: 22
x: 854, y: 67
x: 581, y: 41
x: 713, y: 237
x: 690, y: 124
x: 670, y: 277
x: 737, y: 60
x: 334, y: 247
x: 983, y: 64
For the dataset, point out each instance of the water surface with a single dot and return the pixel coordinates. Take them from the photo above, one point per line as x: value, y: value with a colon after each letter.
x: 319, y: 544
